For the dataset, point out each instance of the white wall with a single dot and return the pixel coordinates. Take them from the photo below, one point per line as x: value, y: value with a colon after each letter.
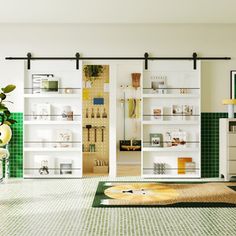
x: 123, y: 40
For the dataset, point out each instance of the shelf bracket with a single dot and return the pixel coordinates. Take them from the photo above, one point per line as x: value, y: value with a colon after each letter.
x: 146, y: 60
x: 29, y: 56
x: 77, y: 56
x: 194, y: 60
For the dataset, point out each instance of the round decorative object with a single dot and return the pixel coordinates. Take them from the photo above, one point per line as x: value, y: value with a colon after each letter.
x: 5, y: 134
x: 68, y: 90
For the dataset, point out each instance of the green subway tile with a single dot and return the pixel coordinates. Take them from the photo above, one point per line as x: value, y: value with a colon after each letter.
x: 16, y: 147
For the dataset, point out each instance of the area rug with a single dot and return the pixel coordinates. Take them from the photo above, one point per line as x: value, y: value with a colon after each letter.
x: 154, y: 194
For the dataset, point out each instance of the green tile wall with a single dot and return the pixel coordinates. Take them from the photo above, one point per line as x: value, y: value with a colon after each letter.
x: 16, y: 147
x: 210, y: 143
x: 209, y: 148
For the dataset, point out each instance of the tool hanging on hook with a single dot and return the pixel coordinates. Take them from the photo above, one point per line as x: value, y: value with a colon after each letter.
x: 88, y: 127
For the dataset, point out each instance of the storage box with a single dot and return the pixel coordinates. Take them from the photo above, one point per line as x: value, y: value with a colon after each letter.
x: 100, y: 169
x: 98, y: 101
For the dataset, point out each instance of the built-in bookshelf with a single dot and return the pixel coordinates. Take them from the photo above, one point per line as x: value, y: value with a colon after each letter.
x: 171, y: 120
x: 53, y: 120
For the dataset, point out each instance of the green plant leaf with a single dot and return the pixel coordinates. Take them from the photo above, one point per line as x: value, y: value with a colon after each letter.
x: 9, y: 88
x: 0, y: 141
x: 7, y: 113
x: 2, y: 107
x: 7, y: 123
x: 11, y: 121
x: 2, y: 96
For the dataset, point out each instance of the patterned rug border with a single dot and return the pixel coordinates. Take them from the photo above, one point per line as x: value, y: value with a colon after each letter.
x: 101, y: 188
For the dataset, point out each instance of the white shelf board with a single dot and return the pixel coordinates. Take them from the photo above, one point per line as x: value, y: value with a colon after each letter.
x: 170, y: 122
x: 170, y: 149
x: 188, y: 176
x: 51, y: 177
x: 52, y: 122
x: 57, y: 95
x: 46, y: 149
x: 150, y: 95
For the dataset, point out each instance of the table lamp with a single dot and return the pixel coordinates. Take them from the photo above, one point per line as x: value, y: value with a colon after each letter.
x: 230, y: 103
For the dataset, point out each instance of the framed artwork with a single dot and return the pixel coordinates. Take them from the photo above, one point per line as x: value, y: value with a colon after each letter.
x: 156, y: 140
x: 50, y: 85
x: 233, y: 84
x: 36, y: 81
x: 187, y: 112
x: 177, y: 110
x: 64, y: 138
x: 43, y: 111
x: 44, y: 165
x: 157, y: 113
x: 159, y: 84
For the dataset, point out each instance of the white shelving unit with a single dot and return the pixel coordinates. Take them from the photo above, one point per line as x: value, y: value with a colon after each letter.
x: 42, y: 143
x: 160, y: 156
x: 52, y: 96
x: 57, y: 122
x: 227, y: 148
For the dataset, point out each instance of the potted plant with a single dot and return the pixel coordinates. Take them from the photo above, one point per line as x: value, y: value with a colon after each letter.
x: 5, y: 123
x: 5, y: 114
x: 93, y: 71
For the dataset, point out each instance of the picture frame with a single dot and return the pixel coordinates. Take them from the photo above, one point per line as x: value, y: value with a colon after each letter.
x: 233, y: 84
x: 64, y: 138
x: 159, y: 84
x: 43, y: 111
x: 50, y: 85
x: 187, y: 112
x: 177, y: 112
x: 156, y: 139
x: 36, y: 82
x: 157, y: 113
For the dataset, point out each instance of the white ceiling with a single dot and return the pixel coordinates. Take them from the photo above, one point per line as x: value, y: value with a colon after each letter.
x: 117, y: 11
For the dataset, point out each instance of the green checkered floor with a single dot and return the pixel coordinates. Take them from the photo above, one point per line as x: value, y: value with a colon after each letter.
x: 64, y: 207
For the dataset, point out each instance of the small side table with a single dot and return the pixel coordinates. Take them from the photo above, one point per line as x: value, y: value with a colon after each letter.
x: 227, y: 149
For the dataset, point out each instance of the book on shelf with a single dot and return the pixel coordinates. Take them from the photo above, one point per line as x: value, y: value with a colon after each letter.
x: 182, y: 164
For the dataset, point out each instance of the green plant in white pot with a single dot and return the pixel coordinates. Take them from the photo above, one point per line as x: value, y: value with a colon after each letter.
x: 92, y: 73
x: 5, y: 122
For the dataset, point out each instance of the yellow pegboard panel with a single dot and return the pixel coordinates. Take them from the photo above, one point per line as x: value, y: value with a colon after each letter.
x: 96, y: 91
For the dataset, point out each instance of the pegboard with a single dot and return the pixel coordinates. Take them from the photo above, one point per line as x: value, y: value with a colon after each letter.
x: 96, y: 89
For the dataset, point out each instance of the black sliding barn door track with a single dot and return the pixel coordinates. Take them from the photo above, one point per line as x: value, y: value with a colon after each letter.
x: 146, y: 58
